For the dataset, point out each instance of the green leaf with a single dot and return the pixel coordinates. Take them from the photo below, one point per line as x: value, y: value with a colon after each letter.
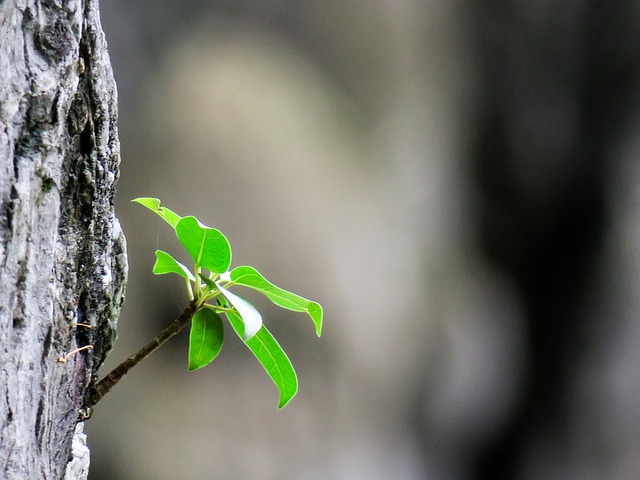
x: 205, y: 339
x: 251, y: 318
x: 208, y: 247
x: 153, y: 204
x: 165, y: 263
x: 250, y: 277
x: 210, y: 283
x: 272, y: 358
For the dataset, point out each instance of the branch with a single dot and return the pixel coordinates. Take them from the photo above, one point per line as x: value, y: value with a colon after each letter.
x: 103, y: 387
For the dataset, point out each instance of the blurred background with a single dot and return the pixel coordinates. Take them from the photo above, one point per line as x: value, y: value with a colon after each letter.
x: 455, y: 181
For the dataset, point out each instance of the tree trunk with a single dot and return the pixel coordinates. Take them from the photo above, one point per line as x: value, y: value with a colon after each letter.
x: 62, y: 253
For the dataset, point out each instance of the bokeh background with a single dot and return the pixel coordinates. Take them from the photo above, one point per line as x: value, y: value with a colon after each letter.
x: 457, y: 182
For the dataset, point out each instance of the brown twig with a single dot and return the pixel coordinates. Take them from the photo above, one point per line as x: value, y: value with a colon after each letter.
x: 103, y: 387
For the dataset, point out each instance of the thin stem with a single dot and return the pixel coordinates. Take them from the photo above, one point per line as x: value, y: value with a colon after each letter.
x: 197, y: 289
x: 217, y: 308
x: 103, y: 387
x: 189, y: 290
x: 209, y: 296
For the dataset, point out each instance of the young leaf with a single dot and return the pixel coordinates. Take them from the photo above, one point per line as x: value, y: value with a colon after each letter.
x: 210, y: 283
x: 250, y: 277
x: 165, y: 263
x: 251, y: 318
x: 205, y: 339
x: 272, y: 358
x: 153, y: 204
x: 208, y: 247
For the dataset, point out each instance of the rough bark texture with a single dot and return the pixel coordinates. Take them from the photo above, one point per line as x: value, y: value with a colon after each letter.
x: 62, y: 253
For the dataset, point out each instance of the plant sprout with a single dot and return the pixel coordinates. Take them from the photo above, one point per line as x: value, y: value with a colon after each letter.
x: 208, y: 285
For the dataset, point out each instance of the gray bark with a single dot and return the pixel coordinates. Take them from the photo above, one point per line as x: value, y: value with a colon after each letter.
x: 62, y: 253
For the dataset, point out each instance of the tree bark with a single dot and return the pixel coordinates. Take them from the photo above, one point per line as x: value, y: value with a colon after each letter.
x: 62, y: 253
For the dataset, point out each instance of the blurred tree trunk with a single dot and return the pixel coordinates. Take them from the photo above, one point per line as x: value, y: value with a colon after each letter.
x: 62, y: 253
x: 558, y: 96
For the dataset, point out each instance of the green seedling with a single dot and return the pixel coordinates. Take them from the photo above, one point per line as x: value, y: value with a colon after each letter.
x: 208, y: 286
